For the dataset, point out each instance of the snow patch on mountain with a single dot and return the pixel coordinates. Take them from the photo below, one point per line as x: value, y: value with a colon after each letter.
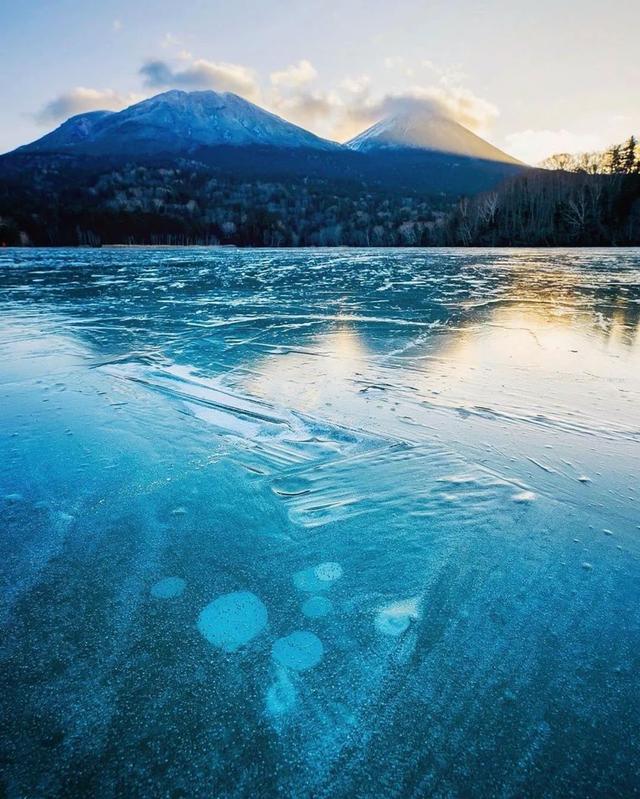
x: 175, y: 121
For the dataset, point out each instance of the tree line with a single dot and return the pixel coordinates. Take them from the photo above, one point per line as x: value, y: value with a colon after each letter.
x: 186, y: 204
x: 591, y: 199
x: 587, y: 199
x: 619, y: 159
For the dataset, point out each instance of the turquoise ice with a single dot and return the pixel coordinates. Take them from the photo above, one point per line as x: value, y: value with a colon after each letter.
x: 168, y: 588
x: 399, y: 490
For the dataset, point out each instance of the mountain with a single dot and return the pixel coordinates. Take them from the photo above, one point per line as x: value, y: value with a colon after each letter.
x: 177, y: 122
x: 414, y: 151
x: 204, y: 166
x: 423, y: 129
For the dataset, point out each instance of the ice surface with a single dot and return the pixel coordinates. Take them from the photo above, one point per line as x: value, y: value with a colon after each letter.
x: 168, y: 588
x: 424, y: 463
x: 317, y: 578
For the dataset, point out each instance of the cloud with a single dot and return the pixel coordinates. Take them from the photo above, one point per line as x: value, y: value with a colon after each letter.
x: 295, y: 75
x: 116, y: 25
x: 292, y: 97
x: 356, y: 85
x: 293, y: 92
x: 350, y: 109
x: 533, y: 146
x: 200, y: 74
x: 456, y: 103
x: 305, y: 108
x: 80, y: 100
x: 339, y: 113
x: 394, y: 62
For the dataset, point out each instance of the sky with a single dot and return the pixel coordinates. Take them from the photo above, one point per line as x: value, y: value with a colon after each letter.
x: 534, y: 78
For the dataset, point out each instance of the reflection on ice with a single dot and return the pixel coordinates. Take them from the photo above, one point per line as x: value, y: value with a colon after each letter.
x: 524, y: 496
x: 333, y: 524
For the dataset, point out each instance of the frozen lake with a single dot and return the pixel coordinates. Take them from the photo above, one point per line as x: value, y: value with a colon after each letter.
x: 344, y: 523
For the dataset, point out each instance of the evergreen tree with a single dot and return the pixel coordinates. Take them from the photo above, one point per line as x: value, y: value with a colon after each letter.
x: 628, y: 156
x: 614, y: 160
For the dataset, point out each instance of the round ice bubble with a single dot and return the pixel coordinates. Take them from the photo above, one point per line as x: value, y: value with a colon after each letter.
x: 317, y: 578
x: 301, y: 650
x: 317, y: 606
x: 232, y: 620
x: 328, y: 572
x: 168, y: 588
x: 392, y: 625
x: 306, y: 580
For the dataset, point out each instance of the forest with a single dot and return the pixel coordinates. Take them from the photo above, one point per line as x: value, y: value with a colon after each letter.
x: 588, y: 199
x: 591, y: 199
x: 185, y: 203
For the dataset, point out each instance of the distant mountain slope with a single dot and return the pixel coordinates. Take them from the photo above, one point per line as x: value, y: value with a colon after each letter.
x: 177, y: 122
x: 73, y: 132
x: 422, y: 129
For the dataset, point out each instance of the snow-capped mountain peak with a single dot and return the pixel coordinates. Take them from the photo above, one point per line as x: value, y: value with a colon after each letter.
x: 426, y: 129
x: 176, y: 120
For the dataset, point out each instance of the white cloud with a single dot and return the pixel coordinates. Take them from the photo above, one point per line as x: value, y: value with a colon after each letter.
x: 450, y: 75
x: 337, y: 114
x: 342, y: 114
x: 353, y: 106
x: 83, y: 99
x: 357, y: 85
x: 295, y: 75
x: 293, y: 93
x: 533, y: 146
x: 220, y: 76
x: 459, y: 104
x: 315, y: 110
x: 117, y: 25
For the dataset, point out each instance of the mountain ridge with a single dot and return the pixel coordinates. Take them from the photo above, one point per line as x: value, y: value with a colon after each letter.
x: 179, y: 121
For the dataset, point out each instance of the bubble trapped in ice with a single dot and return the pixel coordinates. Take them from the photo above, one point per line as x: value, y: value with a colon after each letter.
x: 232, y: 620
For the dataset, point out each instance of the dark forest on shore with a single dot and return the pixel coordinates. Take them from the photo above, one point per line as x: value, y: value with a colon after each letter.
x: 587, y: 200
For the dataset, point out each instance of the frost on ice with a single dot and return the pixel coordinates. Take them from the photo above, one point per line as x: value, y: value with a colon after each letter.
x: 395, y: 618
